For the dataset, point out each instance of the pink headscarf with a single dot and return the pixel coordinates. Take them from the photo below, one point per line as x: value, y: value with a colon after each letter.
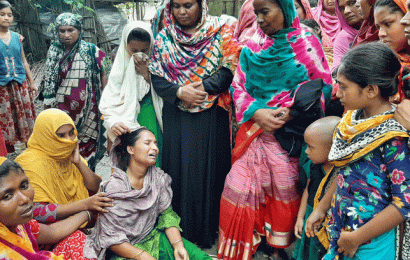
x: 308, y: 10
x: 329, y: 24
x: 368, y: 32
x: 343, y: 39
x: 247, y: 25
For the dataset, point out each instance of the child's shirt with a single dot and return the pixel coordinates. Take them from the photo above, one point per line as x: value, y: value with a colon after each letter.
x: 11, y: 62
x: 367, y: 186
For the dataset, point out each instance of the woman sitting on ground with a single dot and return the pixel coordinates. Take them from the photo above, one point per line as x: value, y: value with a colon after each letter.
x: 60, y: 176
x: 19, y: 232
x: 141, y: 224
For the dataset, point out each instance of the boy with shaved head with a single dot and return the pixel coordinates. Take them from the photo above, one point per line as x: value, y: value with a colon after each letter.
x: 318, y: 138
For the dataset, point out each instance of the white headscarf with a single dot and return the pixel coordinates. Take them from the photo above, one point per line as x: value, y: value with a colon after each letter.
x: 126, y: 88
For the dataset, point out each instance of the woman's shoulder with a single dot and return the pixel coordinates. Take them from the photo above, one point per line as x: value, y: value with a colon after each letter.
x: 162, y: 177
x: 32, y: 159
x: 115, y: 183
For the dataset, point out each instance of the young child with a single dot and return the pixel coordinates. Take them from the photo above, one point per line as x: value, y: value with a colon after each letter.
x: 318, y: 137
x: 19, y: 233
x: 370, y: 149
x: 17, y: 111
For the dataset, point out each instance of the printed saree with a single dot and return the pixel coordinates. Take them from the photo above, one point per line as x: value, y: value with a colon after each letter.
x: 261, y: 195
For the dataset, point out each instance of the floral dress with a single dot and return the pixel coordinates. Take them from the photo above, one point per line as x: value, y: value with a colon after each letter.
x: 367, y: 186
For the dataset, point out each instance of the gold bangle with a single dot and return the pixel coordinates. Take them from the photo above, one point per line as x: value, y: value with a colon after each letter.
x: 136, y: 256
x: 89, y: 215
x: 176, y: 242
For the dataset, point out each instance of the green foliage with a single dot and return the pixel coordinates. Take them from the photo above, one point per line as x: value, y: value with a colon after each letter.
x: 59, y: 5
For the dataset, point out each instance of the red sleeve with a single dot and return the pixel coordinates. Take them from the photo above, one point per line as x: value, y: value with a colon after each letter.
x: 35, y: 227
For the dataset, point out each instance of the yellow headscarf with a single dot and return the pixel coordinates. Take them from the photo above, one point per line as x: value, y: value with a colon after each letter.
x: 47, y: 163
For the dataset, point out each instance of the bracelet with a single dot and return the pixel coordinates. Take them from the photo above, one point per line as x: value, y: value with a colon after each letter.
x: 142, y: 251
x: 176, y: 242
x: 89, y: 215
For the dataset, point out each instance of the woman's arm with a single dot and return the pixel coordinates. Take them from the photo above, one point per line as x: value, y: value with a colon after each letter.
x: 91, y: 180
x: 166, y: 90
x: 127, y: 250
x: 97, y: 202
x: 219, y: 82
x: 171, y: 93
x: 28, y: 73
x: 54, y: 233
x: 174, y: 237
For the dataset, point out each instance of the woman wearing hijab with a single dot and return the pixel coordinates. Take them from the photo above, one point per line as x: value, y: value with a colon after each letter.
x: 281, y: 65
x: 157, y: 22
x: 192, y: 68
x: 129, y: 99
x: 73, y: 82
x: 246, y: 25
x: 368, y: 31
x: 325, y: 16
x: 141, y: 224
x: 303, y: 9
x: 59, y: 175
x: 350, y: 20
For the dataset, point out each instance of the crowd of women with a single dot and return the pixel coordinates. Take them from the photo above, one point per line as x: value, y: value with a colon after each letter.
x: 292, y: 122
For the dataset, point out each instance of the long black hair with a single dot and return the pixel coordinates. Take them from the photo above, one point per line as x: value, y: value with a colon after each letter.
x: 372, y: 64
x: 128, y: 139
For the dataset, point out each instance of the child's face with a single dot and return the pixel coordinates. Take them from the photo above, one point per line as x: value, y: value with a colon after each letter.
x: 350, y: 94
x: 316, y: 150
x: 16, y: 200
x: 6, y: 17
x: 135, y: 46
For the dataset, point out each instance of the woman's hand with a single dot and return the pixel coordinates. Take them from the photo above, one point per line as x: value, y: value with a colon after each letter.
x: 33, y: 88
x: 98, y: 202
x: 299, y: 228
x: 314, y: 222
x: 347, y: 244
x: 180, y: 252
x: 271, y: 120
x: 193, y: 95
x: 402, y: 113
x: 119, y: 129
x: 75, y: 156
x: 141, y: 66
